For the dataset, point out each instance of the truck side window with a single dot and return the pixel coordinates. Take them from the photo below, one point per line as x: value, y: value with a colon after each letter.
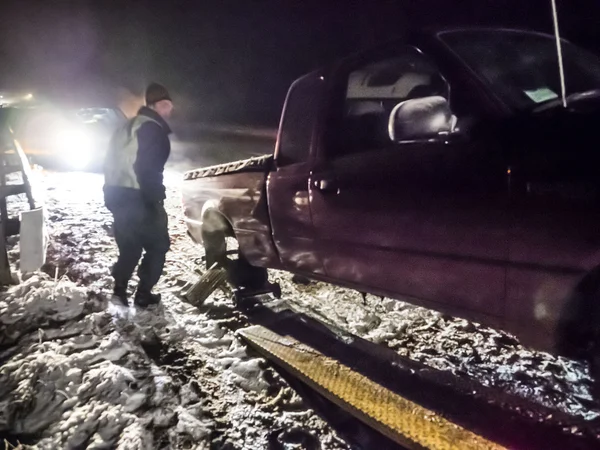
x: 373, y: 90
x: 299, y: 118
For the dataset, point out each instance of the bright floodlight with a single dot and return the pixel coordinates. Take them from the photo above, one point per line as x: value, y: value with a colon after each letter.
x: 28, y: 97
x: 74, y: 147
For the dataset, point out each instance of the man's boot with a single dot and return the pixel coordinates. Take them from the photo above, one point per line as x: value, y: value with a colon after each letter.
x: 120, y: 294
x: 146, y: 298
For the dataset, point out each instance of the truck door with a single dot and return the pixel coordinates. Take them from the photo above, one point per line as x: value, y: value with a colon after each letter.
x: 555, y: 244
x: 288, y: 194
x: 424, y: 218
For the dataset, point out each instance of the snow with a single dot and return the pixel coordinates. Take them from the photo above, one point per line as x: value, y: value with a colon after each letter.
x: 79, y: 371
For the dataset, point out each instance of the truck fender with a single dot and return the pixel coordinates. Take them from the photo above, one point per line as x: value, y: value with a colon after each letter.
x: 213, y: 219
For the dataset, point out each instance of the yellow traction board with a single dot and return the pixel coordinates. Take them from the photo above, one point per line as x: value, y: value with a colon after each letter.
x: 401, y: 420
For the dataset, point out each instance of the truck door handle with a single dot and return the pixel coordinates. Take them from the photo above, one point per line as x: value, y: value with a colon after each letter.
x: 326, y: 185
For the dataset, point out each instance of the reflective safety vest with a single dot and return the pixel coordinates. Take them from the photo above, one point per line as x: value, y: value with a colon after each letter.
x: 122, y: 153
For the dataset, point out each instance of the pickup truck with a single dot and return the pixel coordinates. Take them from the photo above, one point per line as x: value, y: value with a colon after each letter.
x: 444, y: 170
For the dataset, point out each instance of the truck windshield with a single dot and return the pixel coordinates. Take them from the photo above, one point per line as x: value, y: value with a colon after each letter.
x: 107, y: 116
x: 521, y: 67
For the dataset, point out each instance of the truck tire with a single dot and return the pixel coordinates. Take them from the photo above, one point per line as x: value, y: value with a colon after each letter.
x: 594, y: 362
x: 215, y: 248
x: 579, y: 327
x: 240, y: 273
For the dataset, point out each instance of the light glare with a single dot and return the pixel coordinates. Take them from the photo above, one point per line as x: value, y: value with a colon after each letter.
x: 74, y: 147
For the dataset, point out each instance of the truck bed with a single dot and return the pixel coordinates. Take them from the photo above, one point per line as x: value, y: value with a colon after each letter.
x: 240, y: 198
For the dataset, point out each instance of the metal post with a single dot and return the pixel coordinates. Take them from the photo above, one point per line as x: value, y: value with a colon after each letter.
x: 5, y: 275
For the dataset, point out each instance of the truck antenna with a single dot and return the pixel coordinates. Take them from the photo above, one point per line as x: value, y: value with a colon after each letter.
x: 561, y: 69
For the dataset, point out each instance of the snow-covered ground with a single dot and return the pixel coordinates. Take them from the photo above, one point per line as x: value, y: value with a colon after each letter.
x: 77, y: 371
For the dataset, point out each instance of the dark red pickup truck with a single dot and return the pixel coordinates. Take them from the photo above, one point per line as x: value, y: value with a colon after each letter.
x: 444, y: 171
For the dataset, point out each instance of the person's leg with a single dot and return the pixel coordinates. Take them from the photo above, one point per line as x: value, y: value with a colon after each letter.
x: 127, y: 222
x: 156, y: 244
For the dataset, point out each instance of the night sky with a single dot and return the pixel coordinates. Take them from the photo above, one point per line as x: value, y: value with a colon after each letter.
x: 229, y: 60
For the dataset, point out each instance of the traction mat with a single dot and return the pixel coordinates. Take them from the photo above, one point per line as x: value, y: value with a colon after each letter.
x: 401, y: 420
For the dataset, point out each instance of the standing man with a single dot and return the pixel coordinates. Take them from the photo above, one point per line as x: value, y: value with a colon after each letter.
x: 134, y: 193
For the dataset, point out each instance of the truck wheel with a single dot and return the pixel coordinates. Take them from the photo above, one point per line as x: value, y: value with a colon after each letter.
x: 579, y: 327
x: 240, y: 273
x: 594, y: 362
x: 215, y: 248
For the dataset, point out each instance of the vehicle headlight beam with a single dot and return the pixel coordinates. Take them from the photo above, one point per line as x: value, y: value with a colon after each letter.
x: 74, y: 147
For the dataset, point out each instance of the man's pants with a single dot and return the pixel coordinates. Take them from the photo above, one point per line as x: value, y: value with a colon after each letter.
x: 140, y: 227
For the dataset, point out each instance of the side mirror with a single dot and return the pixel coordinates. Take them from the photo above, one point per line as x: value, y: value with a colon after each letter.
x: 421, y: 119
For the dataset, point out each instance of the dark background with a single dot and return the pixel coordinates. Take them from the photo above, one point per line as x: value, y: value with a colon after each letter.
x: 224, y: 60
